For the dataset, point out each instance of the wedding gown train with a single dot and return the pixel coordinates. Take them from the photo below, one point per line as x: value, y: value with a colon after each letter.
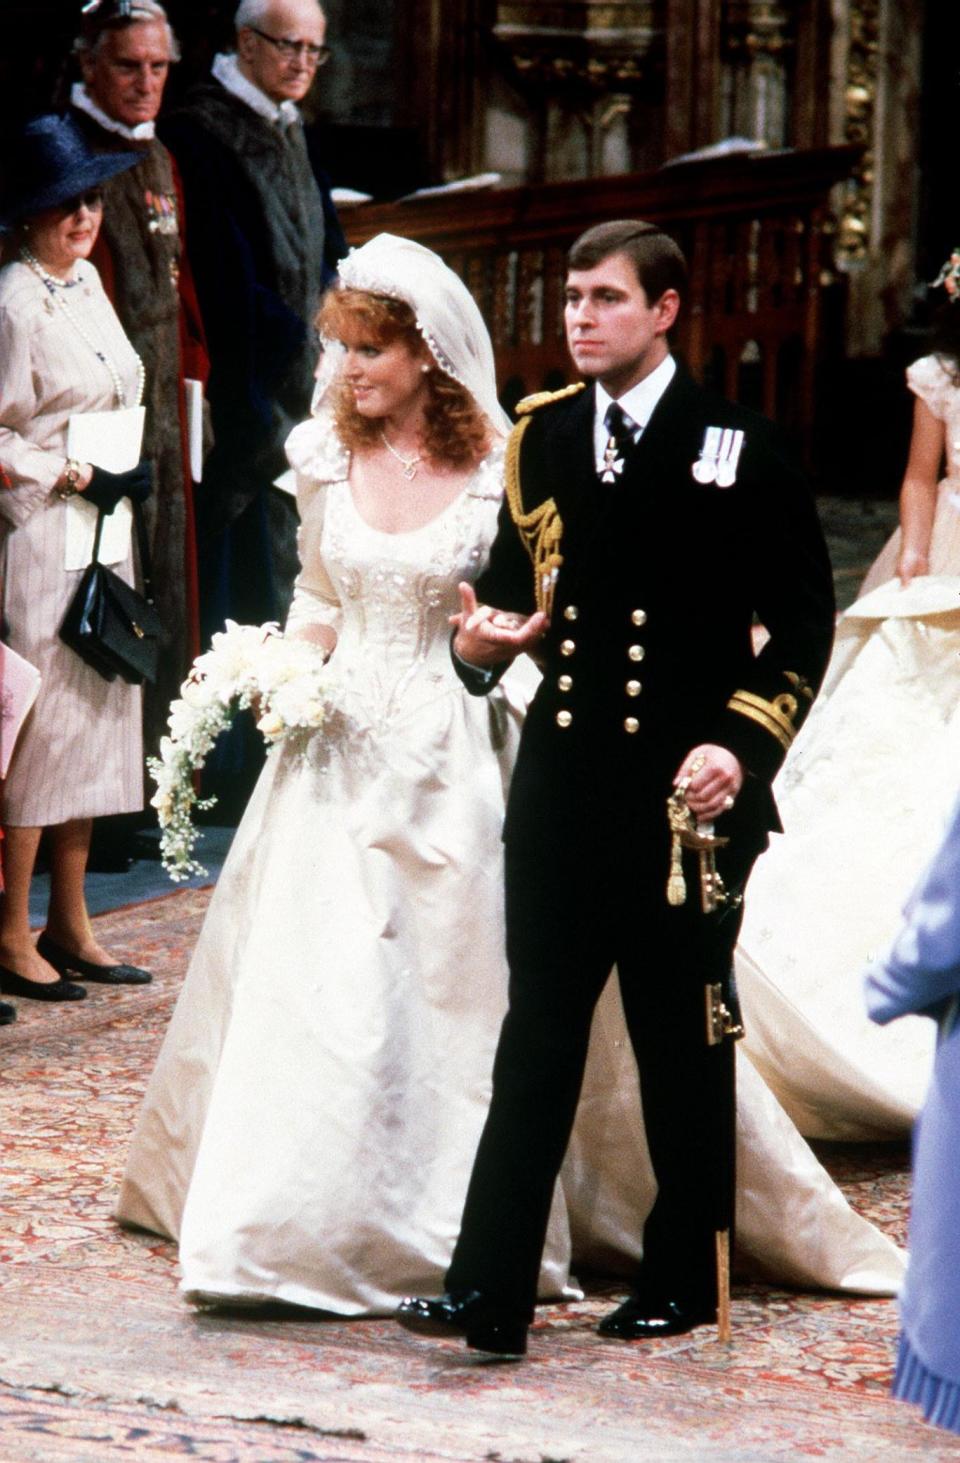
x: 864, y: 795
x: 308, y: 1133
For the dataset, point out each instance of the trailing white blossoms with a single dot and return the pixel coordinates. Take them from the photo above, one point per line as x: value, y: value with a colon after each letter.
x: 246, y: 664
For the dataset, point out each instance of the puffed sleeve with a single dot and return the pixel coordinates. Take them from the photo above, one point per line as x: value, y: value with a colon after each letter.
x: 315, y: 454
x: 921, y: 970
x: 30, y: 471
x: 930, y: 379
x: 315, y: 599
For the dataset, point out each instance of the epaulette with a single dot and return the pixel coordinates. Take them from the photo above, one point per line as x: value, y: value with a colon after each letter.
x: 541, y: 398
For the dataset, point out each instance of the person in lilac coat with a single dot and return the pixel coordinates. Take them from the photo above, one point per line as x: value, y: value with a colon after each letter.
x: 921, y: 973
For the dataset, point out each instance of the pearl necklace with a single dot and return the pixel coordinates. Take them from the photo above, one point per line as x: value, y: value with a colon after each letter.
x: 55, y: 288
x: 409, y: 464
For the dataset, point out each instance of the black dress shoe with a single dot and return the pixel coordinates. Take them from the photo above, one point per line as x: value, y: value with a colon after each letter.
x: 8, y: 1013
x: 12, y: 984
x: 639, y: 1319
x: 63, y: 961
x: 466, y: 1313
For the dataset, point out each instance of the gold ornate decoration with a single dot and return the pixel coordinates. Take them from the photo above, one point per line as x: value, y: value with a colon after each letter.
x: 541, y: 530
x: 777, y: 716
x: 800, y: 684
x: 757, y: 28
x: 757, y: 38
x: 600, y: 45
x: 537, y: 399
x: 853, y: 235
x: 583, y: 59
x: 722, y: 1025
x: 685, y: 832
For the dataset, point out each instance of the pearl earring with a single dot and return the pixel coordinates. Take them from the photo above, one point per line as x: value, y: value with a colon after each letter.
x: 424, y: 368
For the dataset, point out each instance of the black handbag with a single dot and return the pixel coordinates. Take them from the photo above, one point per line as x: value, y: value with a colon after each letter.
x: 109, y: 624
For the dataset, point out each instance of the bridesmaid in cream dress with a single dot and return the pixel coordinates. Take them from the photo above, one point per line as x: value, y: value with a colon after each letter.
x: 310, y: 1127
x: 63, y: 351
x: 864, y: 795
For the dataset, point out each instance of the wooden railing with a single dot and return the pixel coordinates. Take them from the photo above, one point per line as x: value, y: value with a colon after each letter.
x: 756, y: 232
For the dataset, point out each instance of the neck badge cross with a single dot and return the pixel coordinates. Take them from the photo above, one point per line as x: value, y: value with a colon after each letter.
x: 621, y: 430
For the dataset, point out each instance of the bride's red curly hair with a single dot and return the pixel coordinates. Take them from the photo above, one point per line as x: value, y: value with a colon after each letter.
x: 456, y: 430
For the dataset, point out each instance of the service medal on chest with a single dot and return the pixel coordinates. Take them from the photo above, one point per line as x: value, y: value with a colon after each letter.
x: 719, y: 456
x: 161, y: 212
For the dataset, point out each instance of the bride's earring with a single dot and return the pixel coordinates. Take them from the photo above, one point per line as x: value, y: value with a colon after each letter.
x: 424, y: 367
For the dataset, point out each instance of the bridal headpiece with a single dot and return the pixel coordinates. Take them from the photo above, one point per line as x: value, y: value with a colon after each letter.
x: 447, y: 315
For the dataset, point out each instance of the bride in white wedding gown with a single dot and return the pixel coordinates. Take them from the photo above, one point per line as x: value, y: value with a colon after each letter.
x: 864, y: 795
x: 308, y: 1133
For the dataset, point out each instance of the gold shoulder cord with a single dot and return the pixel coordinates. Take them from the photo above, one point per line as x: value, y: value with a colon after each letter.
x: 541, y: 530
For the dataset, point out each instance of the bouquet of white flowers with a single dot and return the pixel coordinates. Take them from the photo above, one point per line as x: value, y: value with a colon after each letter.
x: 246, y: 665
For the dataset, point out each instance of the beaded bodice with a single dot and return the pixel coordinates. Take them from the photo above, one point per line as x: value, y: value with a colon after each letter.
x: 394, y: 592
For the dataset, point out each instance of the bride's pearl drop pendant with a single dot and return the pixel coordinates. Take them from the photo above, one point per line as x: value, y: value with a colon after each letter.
x: 408, y: 465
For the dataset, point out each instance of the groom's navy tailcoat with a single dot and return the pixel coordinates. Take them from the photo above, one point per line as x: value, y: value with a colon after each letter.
x: 659, y: 582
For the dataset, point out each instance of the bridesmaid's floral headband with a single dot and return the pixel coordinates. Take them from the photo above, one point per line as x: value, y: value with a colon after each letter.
x: 949, y: 277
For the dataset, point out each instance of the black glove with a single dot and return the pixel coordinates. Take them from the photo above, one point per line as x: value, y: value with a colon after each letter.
x: 107, y: 488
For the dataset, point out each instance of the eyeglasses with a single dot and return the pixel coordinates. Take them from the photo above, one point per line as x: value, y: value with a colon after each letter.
x: 294, y: 50
x: 91, y: 200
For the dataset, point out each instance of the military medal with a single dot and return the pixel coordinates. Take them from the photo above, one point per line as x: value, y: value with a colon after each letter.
x: 730, y: 450
x: 621, y: 434
x: 612, y: 464
x: 719, y: 456
x: 161, y: 212
x: 704, y: 470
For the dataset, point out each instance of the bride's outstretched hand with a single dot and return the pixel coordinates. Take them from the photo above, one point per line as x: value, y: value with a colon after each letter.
x: 487, y: 636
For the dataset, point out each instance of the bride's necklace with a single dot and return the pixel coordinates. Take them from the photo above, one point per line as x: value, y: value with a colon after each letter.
x: 56, y: 289
x: 408, y: 464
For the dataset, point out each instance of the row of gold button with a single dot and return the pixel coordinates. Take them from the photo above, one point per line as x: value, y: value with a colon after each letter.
x: 637, y: 617
x: 630, y: 723
x: 635, y: 653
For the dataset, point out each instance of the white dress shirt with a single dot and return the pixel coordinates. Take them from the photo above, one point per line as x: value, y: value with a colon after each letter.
x: 637, y: 403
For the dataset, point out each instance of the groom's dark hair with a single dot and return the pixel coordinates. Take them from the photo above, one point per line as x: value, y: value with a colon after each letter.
x: 656, y: 258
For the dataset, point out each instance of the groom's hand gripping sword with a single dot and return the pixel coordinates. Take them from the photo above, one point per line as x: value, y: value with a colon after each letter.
x: 722, y: 1023
x: 686, y: 832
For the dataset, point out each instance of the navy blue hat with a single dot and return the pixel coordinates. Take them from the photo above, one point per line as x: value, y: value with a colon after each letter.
x: 49, y: 162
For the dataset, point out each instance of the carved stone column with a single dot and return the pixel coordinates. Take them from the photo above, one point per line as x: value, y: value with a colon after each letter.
x: 581, y: 66
x: 758, y: 42
x: 859, y: 120
x: 877, y: 76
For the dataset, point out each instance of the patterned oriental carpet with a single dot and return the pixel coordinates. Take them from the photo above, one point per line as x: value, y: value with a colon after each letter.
x: 100, y: 1360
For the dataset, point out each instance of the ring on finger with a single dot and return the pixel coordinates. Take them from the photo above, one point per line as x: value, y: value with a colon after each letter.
x: 728, y: 803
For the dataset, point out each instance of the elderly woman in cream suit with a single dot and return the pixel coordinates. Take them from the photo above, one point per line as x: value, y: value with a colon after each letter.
x: 79, y: 753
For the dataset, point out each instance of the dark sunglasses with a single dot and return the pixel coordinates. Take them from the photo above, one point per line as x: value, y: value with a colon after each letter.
x: 92, y: 199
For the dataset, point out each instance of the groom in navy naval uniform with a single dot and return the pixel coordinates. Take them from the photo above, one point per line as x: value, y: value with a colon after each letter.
x: 646, y: 524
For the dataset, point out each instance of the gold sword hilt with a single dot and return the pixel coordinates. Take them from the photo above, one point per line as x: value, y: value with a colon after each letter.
x: 686, y: 832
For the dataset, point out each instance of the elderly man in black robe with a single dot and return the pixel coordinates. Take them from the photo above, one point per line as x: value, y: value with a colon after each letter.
x: 264, y: 241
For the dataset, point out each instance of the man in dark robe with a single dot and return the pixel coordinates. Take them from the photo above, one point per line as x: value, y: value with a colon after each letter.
x: 264, y: 241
